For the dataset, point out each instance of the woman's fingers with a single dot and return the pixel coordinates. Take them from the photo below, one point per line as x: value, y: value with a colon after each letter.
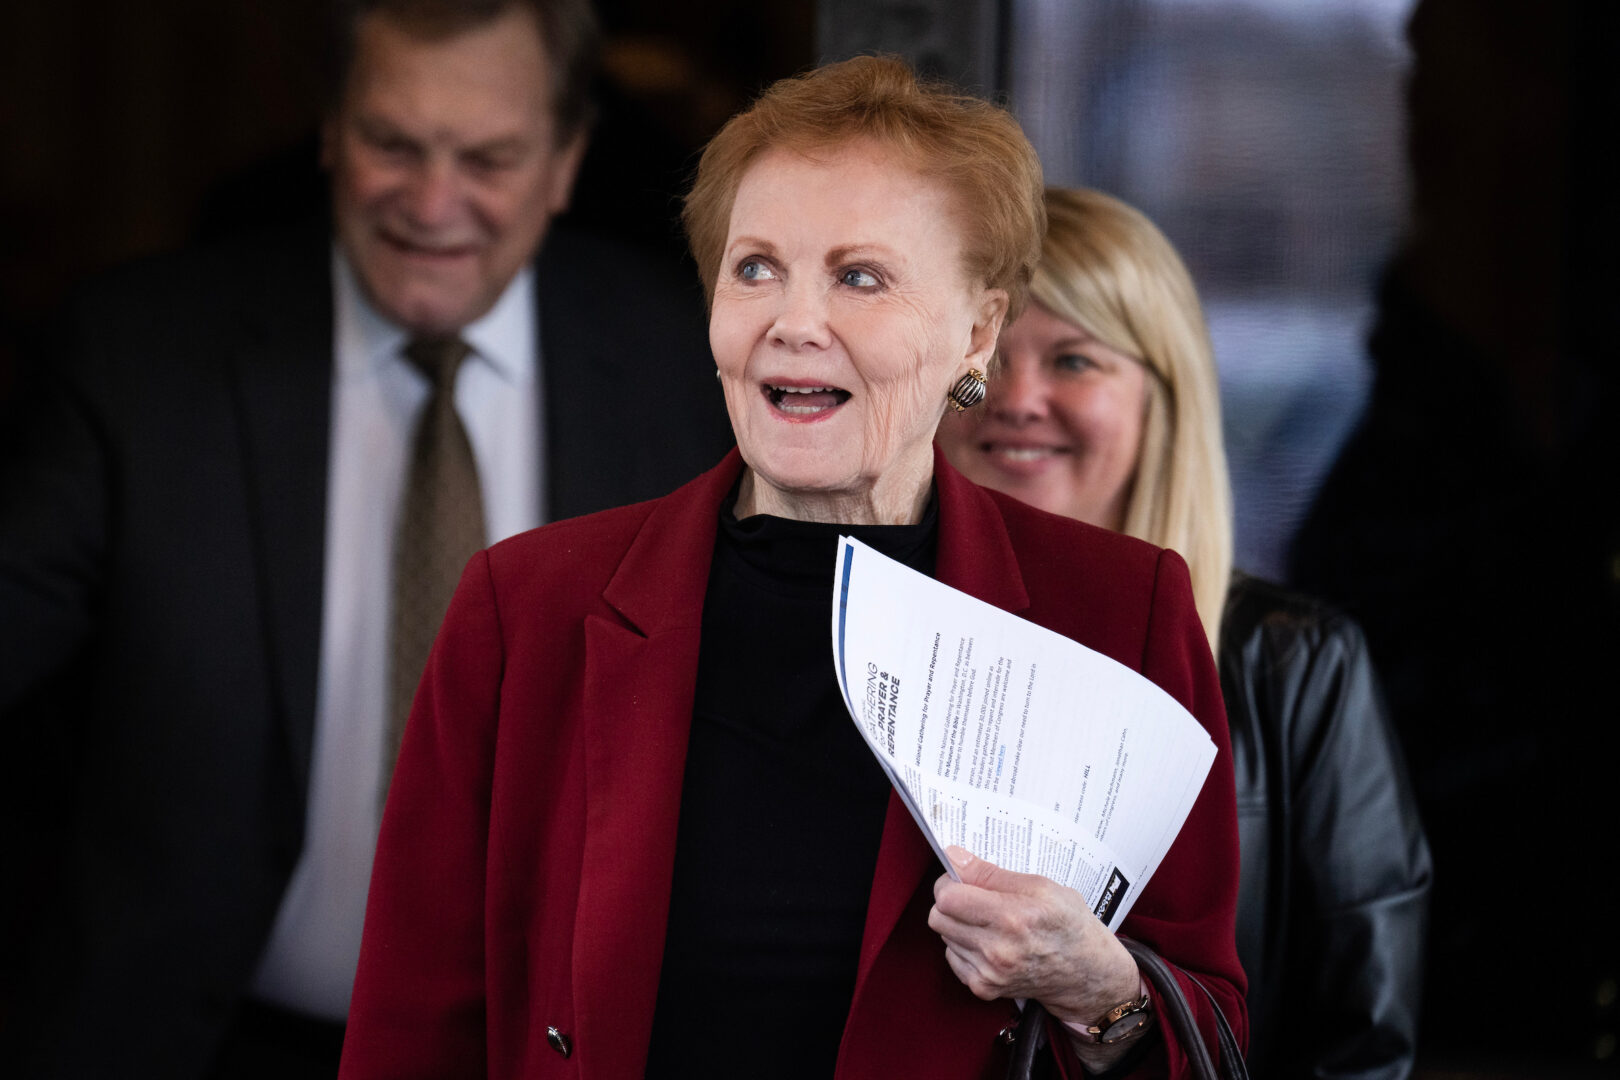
x: 982, y: 874
x: 1007, y: 947
x: 1020, y: 935
x: 1012, y: 903
x: 985, y: 945
x: 974, y: 916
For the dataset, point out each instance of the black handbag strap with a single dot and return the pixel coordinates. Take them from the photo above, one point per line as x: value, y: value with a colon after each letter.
x: 1029, y: 1040
x: 1175, y: 1011
x: 1233, y: 1067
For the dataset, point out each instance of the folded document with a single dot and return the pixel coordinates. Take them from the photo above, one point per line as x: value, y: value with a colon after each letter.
x: 1012, y: 741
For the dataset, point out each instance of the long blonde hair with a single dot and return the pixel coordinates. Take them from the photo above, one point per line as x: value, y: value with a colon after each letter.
x: 1107, y: 268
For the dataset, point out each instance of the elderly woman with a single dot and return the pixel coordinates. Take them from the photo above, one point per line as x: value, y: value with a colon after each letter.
x: 1104, y: 408
x: 633, y: 830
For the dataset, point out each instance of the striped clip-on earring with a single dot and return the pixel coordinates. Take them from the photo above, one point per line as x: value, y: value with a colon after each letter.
x: 968, y: 391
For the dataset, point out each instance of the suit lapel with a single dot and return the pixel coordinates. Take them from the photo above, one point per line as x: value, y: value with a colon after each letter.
x: 283, y: 389
x: 640, y: 677
x: 976, y: 556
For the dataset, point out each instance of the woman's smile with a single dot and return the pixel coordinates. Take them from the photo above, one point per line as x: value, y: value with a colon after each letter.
x: 799, y: 404
x: 1020, y: 457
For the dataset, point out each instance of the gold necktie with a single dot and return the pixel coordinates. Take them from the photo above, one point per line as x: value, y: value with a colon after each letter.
x: 441, y: 526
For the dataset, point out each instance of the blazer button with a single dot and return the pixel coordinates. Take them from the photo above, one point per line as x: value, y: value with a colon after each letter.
x: 559, y: 1042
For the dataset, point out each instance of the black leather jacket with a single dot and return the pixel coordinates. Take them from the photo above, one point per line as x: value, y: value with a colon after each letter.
x: 1335, y: 880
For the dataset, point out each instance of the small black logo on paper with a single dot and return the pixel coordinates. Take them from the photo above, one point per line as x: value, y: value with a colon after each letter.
x: 1111, y: 896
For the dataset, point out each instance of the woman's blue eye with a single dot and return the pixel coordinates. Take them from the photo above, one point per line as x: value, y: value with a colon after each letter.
x: 753, y: 270
x: 1074, y: 362
x: 858, y: 279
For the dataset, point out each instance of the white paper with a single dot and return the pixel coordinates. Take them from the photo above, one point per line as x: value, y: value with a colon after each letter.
x: 1012, y: 741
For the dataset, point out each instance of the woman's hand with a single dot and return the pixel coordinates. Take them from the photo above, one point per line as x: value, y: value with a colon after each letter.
x: 1011, y: 935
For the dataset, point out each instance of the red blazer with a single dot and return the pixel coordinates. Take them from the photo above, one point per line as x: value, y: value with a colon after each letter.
x: 522, y: 877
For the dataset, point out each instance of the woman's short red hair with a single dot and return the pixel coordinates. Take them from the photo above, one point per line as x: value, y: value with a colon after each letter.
x: 976, y: 149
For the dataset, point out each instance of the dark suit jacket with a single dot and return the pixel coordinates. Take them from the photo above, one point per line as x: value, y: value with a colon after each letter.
x: 162, y: 528
x: 522, y: 877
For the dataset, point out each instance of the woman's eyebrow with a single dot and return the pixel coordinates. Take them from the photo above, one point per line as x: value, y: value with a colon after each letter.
x: 1075, y: 341
x: 847, y: 252
x: 764, y: 247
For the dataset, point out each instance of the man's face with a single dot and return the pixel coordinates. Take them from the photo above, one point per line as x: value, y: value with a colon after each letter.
x: 446, y: 166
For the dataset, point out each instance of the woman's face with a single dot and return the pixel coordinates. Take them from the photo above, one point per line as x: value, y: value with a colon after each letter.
x: 841, y: 316
x: 1061, y: 427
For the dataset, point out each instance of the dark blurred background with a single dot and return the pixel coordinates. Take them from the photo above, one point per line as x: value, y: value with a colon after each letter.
x: 1403, y: 221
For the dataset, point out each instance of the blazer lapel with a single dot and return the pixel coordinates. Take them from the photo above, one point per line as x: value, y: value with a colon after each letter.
x: 975, y: 553
x: 976, y: 556
x: 640, y: 678
x: 283, y: 391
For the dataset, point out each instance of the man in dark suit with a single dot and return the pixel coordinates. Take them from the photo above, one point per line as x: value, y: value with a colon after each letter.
x: 201, y: 520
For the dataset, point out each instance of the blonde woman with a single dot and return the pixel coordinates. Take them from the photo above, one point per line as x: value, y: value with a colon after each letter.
x: 1104, y: 407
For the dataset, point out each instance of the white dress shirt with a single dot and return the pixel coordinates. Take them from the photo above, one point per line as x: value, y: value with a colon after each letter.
x: 309, y: 963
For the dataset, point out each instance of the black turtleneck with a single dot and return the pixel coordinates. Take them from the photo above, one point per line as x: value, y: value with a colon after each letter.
x: 781, y: 813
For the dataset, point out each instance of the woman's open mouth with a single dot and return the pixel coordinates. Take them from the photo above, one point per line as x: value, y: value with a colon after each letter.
x: 804, y: 402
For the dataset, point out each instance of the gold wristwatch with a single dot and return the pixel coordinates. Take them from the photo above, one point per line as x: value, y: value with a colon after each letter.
x: 1124, y: 1021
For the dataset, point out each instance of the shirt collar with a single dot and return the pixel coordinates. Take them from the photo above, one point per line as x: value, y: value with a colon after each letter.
x: 506, y: 337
